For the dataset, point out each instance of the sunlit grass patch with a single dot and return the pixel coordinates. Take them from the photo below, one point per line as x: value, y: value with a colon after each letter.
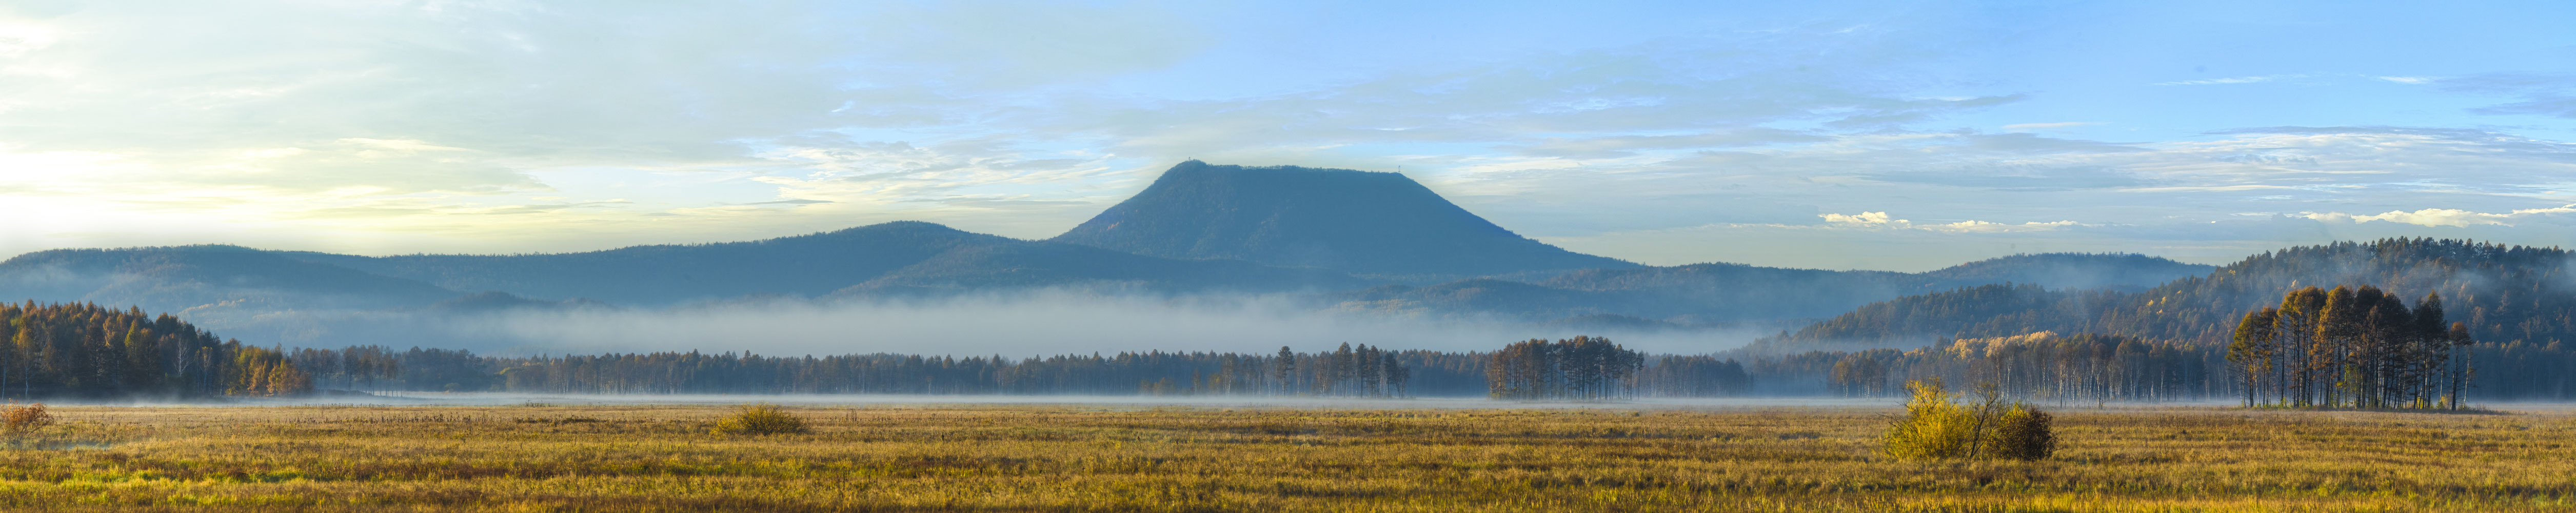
x: 1014, y: 458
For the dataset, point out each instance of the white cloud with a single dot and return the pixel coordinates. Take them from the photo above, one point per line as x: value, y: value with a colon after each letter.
x: 504, y: 126
x: 1973, y: 226
x: 1868, y: 219
x: 2440, y: 216
x: 1882, y: 220
x: 17, y: 38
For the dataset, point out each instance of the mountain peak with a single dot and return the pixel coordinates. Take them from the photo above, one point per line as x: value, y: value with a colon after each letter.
x: 1354, y: 221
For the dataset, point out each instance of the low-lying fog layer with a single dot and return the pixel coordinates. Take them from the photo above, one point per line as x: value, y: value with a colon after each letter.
x: 1016, y: 325
x: 488, y: 399
x: 516, y: 399
x: 436, y: 399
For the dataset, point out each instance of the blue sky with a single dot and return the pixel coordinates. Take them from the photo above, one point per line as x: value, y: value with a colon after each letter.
x: 1890, y: 135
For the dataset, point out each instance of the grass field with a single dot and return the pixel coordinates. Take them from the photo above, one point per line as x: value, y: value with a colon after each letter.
x: 1076, y: 458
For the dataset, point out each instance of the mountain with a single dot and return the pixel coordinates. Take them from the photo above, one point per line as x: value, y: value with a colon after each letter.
x: 1350, y: 241
x: 1481, y: 297
x: 179, y: 278
x: 1718, y: 293
x: 1019, y: 264
x: 803, y: 265
x: 896, y: 257
x: 1361, y: 222
x: 502, y: 301
x: 908, y: 257
x: 2066, y: 271
x: 2504, y: 293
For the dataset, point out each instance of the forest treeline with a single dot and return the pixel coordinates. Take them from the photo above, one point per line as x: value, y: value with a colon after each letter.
x: 2043, y: 366
x: 2039, y: 366
x: 1582, y: 367
x: 2352, y: 347
x: 2499, y: 293
x: 1345, y: 371
x: 89, y: 351
x: 2089, y: 367
x: 81, y: 350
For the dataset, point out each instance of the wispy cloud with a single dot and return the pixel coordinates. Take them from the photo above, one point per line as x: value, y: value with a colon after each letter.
x: 2551, y: 95
x: 2045, y: 126
x: 385, y: 126
x: 2231, y: 80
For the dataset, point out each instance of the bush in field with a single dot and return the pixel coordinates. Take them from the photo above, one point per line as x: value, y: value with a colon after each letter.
x: 2023, y: 434
x: 1936, y: 427
x: 1933, y: 427
x: 761, y: 419
x: 18, y: 420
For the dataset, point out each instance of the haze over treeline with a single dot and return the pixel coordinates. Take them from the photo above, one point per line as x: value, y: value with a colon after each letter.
x: 1195, y: 284
x: 1306, y: 246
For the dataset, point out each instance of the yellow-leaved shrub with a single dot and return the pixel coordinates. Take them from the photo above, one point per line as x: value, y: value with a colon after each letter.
x: 761, y: 419
x: 18, y: 419
x: 1936, y: 427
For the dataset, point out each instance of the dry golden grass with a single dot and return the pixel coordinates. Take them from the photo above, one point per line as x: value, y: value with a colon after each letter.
x: 1000, y: 458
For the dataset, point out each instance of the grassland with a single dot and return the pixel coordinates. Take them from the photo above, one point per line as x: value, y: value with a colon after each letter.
x: 1063, y: 458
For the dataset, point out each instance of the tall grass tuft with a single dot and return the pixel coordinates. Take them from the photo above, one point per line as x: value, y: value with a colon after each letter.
x: 761, y: 419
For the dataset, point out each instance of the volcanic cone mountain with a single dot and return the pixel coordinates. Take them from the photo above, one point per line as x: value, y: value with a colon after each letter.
x: 1354, y: 221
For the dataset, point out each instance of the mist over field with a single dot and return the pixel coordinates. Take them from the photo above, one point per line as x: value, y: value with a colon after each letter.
x: 865, y: 401
x: 1035, y: 323
x: 1127, y: 257
x: 1708, y: 200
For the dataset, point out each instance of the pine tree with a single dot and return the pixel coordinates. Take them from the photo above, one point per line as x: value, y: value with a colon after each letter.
x: 2432, y: 350
x: 2255, y: 344
x: 1397, y: 377
x: 1286, y: 369
x: 2467, y: 369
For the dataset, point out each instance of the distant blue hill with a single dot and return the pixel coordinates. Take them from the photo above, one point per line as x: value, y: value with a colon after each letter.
x: 1721, y: 294
x: 2502, y: 292
x: 1348, y: 241
x: 1359, y: 222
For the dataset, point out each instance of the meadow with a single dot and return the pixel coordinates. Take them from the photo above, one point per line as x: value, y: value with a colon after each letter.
x: 614, y: 458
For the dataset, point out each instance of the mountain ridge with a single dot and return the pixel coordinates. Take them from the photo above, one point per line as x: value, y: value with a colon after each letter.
x: 1528, y: 283
x: 2502, y: 292
x: 1362, y: 222
x: 1728, y: 293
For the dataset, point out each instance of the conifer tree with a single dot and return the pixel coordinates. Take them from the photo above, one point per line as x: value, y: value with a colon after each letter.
x: 2255, y: 344
x: 1287, y: 367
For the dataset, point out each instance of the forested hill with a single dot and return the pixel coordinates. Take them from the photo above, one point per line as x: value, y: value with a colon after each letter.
x: 2504, y: 293
x: 1024, y: 264
x: 1716, y: 293
x: 1339, y: 240
x: 2065, y: 270
x: 1354, y: 221
x: 178, y: 278
x: 803, y: 265
x: 901, y: 255
x: 904, y: 256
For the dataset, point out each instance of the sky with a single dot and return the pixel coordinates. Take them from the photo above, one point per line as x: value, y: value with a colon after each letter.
x: 1842, y: 135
